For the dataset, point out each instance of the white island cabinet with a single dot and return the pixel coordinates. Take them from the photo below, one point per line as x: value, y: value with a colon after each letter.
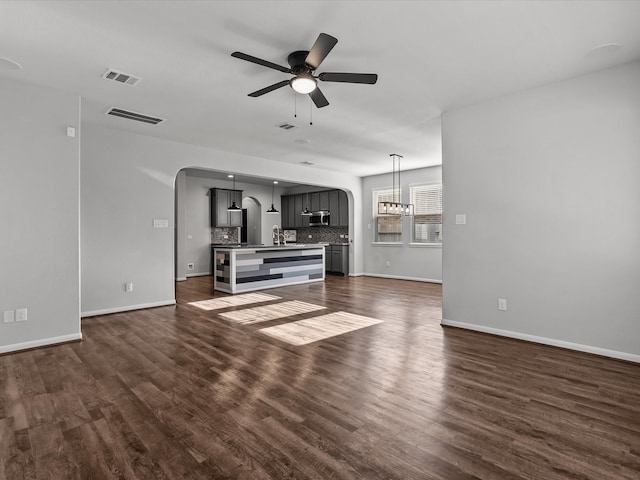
x: 243, y: 269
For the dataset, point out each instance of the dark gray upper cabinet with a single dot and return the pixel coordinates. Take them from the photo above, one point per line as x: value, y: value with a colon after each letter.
x: 288, y: 211
x: 333, y: 200
x: 334, y: 208
x: 324, y: 200
x: 292, y: 216
x: 343, y: 209
x: 220, y: 200
x: 297, y: 205
x: 284, y: 211
x: 314, y: 199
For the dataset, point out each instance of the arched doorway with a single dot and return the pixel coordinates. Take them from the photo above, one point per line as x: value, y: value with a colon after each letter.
x: 251, y: 221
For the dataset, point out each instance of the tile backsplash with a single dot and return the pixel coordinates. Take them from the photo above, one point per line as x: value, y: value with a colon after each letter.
x: 232, y: 234
x: 318, y: 235
x: 323, y: 235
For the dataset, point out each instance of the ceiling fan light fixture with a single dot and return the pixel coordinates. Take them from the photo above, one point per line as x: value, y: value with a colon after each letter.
x: 304, y: 83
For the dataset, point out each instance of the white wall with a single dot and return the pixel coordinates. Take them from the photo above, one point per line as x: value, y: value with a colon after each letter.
x: 406, y: 261
x: 548, y: 179
x: 39, y: 215
x: 127, y: 181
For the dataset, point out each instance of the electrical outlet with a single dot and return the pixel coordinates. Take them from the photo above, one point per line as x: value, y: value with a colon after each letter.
x: 128, y: 287
x: 502, y: 304
x: 310, y: 236
x: 9, y: 316
x: 21, y: 315
x: 388, y: 263
x: 189, y: 266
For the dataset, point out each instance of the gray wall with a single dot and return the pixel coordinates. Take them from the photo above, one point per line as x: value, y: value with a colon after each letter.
x: 127, y: 181
x: 406, y: 261
x: 198, y: 216
x: 39, y: 215
x: 180, y: 187
x: 548, y: 179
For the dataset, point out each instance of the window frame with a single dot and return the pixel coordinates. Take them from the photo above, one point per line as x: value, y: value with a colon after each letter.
x: 375, y: 192
x: 413, y: 189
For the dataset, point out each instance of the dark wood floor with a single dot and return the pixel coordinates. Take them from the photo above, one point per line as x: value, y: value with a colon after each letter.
x: 178, y: 392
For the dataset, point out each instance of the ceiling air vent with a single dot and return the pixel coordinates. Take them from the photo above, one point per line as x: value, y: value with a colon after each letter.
x: 286, y: 126
x: 118, y: 112
x: 120, y: 77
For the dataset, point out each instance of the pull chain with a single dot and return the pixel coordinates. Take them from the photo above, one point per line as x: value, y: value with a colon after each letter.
x: 295, y: 105
x: 310, y: 112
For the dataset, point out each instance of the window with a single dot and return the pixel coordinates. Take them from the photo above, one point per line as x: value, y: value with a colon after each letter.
x: 426, y: 225
x: 388, y: 227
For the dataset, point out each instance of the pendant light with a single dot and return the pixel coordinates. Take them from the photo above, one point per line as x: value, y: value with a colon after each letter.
x: 306, y: 212
x: 395, y: 207
x: 233, y: 207
x: 273, y: 210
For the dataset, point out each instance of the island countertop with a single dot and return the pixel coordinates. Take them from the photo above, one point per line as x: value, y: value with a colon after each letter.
x: 240, y: 268
x: 290, y: 246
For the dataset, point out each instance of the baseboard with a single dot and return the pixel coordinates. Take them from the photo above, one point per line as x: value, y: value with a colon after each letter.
x: 630, y: 357
x: 400, y: 277
x: 181, y: 279
x: 45, y: 342
x: 107, y: 311
x: 203, y: 274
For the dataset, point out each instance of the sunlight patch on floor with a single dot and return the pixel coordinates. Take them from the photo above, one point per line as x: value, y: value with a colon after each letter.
x: 314, y: 329
x: 233, y: 301
x: 270, y: 312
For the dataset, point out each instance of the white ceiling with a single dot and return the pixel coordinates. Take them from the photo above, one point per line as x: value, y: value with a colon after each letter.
x: 430, y: 56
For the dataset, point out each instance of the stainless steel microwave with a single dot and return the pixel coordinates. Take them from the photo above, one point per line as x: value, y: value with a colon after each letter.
x: 319, y: 218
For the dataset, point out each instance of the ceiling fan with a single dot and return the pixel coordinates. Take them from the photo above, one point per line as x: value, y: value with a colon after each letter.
x: 302, y: 64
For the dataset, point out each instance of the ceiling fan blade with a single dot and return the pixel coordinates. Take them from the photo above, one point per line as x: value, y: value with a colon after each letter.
x: 318, y: 98
x: 259, y: 61
x: 322, y: 47
x: 368, y: 78
x: 270, y: 88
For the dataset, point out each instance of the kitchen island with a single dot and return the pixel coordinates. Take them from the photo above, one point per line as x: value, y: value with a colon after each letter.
x: 239, y: 269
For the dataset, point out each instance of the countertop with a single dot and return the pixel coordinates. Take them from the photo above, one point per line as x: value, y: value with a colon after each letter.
x: 290, y: 246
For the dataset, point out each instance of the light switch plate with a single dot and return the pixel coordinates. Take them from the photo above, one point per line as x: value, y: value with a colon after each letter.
x: 9, y: 316
x: 160, y: 223
x: 461, y: 219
